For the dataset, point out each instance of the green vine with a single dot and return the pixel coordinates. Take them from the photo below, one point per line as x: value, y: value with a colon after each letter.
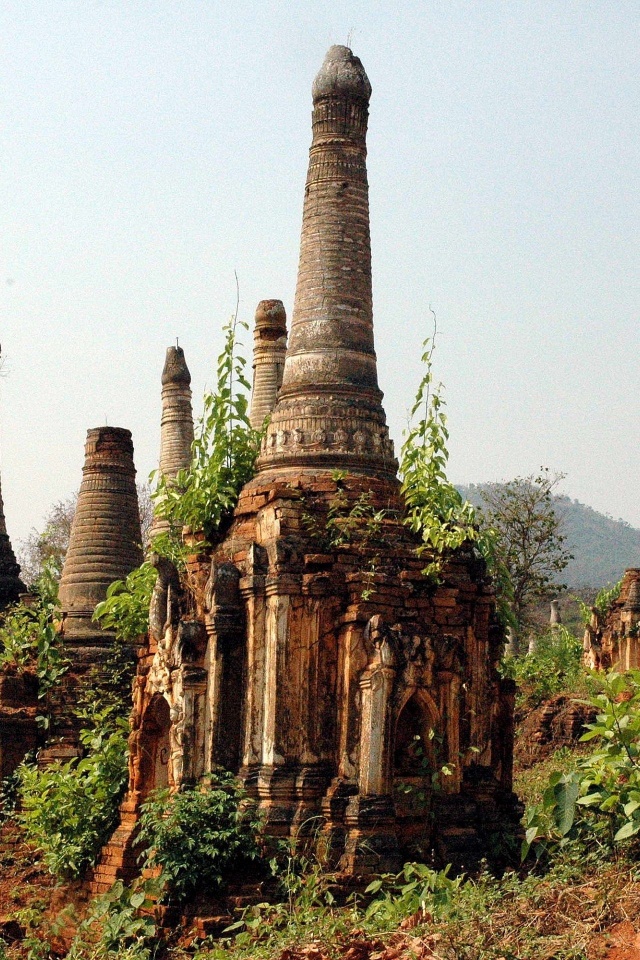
x: 435, y: 509
x: 347, y: 521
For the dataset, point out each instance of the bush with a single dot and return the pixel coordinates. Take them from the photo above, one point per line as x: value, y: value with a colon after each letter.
x: 200, y: 836
x: 599, y: 802
x: 555, y: 666
x: 69, y: 810
x: 126, y: 607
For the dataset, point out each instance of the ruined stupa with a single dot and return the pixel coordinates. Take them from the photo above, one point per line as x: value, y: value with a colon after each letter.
x: 612, y: 640
x: 105, y: 541
x: 355, y: 698
x: 11, y: 585
x: 176, y: 425
x: 105, y: 545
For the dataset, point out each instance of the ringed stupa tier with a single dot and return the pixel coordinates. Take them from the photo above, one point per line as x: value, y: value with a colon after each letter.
x: 10, y: 584
x: 105, y: 542
x: 176, y: 426
x: 329, y: 410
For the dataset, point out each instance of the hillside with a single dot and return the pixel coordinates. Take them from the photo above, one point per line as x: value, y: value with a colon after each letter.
x: 602, y: 548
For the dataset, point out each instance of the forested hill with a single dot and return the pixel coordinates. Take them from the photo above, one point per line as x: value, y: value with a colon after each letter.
x: 603, y: 548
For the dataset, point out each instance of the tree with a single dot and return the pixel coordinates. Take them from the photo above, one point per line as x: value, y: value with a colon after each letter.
x: 530, y: 541
x: 49, y: 547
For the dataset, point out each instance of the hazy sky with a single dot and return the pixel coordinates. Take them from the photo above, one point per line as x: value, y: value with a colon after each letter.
x: 152, y: 148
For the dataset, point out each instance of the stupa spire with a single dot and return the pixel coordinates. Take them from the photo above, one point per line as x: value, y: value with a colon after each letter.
x: 176, y: 426
x: 329, y: 412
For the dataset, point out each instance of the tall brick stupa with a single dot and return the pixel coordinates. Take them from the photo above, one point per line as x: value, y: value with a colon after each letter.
x: 356, y: 698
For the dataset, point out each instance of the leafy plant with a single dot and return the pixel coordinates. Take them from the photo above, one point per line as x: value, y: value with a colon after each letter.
x: 348, y: 520
x: 418, y: 891
x: 119, y: 924
x: 29, y: 640
x: 605, y: 598
x: 527, y: 538
x: 224, y: 451
x: 599, y: 801
x: 555, y: 666
x: 126, y: 606
x: 435, y: 509
x: 68, y: 810
x: 201, y: 835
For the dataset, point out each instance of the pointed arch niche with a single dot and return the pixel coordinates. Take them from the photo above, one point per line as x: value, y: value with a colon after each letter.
x: 414, y: 761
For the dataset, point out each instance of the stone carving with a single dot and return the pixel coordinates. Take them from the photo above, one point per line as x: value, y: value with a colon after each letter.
x: 164, y: 609
x: 614, y: 640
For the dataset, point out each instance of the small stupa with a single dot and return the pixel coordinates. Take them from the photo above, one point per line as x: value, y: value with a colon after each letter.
x: 176, y: 425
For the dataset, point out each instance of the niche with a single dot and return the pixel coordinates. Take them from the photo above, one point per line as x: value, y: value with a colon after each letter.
x: 155, y: 747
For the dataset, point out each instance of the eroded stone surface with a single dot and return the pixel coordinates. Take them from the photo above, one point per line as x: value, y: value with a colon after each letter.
x: 269, y: 350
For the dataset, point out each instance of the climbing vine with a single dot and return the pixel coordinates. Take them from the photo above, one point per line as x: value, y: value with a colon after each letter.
x: 435, y: 509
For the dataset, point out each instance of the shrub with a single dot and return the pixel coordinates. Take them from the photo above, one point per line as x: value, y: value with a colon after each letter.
x: 69, y: 810
x: 126, y: 607
x: 599, y: 802
x: 200, y: 835
x: 555, y: 666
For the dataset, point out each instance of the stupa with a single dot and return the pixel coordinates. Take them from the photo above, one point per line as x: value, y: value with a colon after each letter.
x: 357, y: 699
x: 105, y: 545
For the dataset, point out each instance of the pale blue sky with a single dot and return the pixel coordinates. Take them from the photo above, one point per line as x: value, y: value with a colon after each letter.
x: 152, y: 148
